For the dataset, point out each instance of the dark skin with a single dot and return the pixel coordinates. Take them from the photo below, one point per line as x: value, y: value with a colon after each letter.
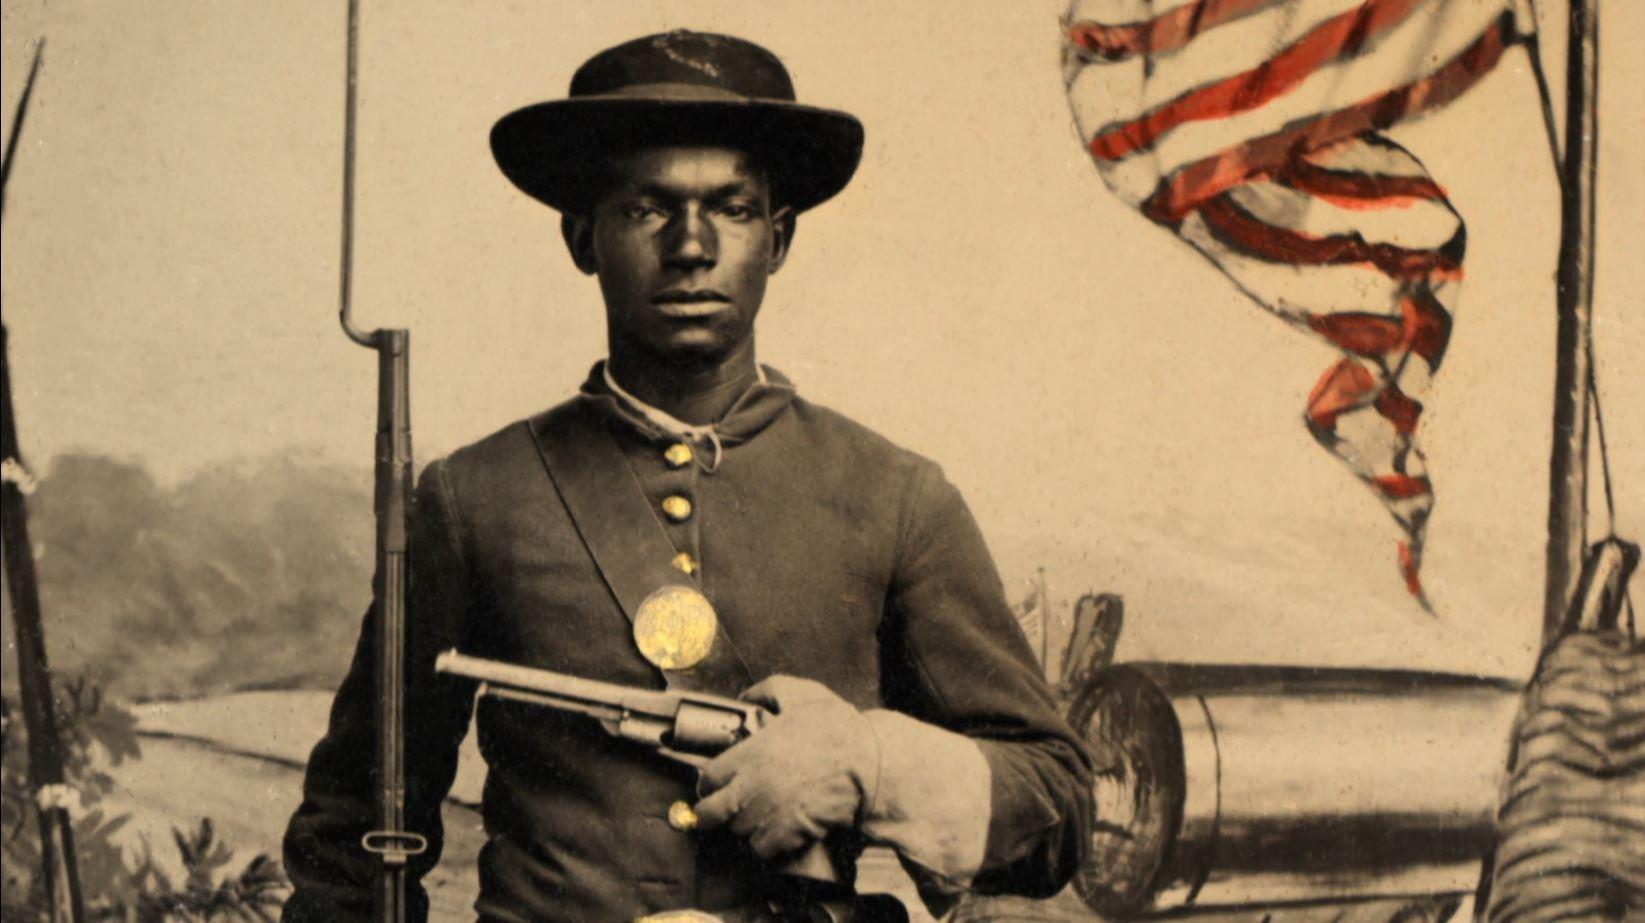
x: 683, y: 240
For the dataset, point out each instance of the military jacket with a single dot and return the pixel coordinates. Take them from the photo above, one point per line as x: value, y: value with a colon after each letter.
x: 827, y: 552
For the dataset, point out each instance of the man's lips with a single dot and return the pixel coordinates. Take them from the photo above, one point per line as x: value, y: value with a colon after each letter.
x: 690, y: 303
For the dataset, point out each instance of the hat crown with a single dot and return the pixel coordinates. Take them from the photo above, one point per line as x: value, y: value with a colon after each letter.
x: 703, y: 59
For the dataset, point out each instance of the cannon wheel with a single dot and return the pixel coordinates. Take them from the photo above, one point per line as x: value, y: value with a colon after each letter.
x: 1138, y: 793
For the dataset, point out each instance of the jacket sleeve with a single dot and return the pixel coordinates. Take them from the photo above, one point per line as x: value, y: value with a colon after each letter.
x: 333, y: 877
x: 956, y: 658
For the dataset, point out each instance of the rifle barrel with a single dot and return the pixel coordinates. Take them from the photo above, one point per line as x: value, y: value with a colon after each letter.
x: 393, y: 505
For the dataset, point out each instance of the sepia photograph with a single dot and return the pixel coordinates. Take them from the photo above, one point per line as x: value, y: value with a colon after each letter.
x: 692, y: 460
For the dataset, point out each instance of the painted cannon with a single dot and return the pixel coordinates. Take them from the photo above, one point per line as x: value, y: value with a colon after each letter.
x: 1230, y: 787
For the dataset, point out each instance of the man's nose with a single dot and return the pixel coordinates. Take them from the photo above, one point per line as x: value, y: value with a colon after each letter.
x: 691, y: 241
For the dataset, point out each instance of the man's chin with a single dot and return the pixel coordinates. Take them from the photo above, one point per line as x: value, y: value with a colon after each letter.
x: 693, y: 353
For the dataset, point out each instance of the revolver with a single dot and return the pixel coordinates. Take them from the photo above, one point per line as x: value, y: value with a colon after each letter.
x: 688, y: 727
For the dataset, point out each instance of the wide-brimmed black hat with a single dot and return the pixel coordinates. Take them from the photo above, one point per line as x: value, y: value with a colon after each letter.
x: 678, y: 87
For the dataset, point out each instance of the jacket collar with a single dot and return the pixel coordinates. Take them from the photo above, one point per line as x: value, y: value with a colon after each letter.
x: 763, y: 402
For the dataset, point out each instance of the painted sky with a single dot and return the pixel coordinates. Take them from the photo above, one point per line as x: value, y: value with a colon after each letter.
x: 1112, y: 408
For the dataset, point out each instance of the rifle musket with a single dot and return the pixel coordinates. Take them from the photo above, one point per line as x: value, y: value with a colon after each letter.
x: 390, y: 841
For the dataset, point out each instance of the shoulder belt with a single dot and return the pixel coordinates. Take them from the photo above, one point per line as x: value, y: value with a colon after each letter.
x: 620, y: 529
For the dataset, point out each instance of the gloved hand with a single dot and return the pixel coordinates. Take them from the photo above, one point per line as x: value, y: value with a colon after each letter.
x: 813, y: 766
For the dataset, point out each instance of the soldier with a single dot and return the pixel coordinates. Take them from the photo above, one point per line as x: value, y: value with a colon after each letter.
x: 810, y: 564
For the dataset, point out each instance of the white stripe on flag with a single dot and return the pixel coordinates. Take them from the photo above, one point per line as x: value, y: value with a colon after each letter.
x: 1414, y: 224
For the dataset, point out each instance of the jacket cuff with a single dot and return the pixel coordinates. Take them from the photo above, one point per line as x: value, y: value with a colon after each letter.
x: 932, y: 799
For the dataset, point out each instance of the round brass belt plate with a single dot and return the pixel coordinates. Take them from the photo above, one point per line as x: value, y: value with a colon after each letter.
x: 675, y: 627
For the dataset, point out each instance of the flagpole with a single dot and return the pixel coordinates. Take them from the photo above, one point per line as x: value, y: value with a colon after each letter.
x: 1567, y: 480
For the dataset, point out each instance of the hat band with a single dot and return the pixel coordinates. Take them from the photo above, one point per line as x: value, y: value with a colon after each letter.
x: 679, y: 92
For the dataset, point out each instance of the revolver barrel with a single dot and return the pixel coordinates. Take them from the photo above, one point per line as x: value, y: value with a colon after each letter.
x: 687, y: 726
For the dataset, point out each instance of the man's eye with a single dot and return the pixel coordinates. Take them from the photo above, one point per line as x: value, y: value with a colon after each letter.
x: 639, y: 211
x: 737, y: 212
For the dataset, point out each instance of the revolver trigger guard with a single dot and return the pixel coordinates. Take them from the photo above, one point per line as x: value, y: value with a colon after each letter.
x: 694, y: 760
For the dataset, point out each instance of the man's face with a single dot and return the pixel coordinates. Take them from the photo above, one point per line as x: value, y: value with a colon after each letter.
x: 683, y: 240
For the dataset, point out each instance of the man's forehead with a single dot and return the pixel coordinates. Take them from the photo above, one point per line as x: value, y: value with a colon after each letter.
x: 686, y: 167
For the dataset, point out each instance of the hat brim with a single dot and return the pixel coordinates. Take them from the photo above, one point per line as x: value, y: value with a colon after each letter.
x: 552, y: 150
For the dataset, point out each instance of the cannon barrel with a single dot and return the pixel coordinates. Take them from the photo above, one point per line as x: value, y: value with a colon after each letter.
x: 1234, y: 786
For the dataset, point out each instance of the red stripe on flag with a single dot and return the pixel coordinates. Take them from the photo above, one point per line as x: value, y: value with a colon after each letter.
x: 1342, y: 388
x: 1370, y: 335
x: 1166, y: 32
x: 1401, y: 486
x: 1203, y: 179
x: 1239, y: 228
x: 1408, y: 568
x: 1423, y: 327
x: 1398, y: 408
x: 1359, y: 190
x: 1340, y: 36
x: 1427, y: 326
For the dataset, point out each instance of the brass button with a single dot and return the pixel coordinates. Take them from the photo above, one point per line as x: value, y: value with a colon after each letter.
x: 677, y: 508
x: 681, y: 817
x: 685, y: 563
x: 678, y: 455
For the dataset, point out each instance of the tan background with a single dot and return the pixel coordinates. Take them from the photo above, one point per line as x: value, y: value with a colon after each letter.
x: 1112, y: 408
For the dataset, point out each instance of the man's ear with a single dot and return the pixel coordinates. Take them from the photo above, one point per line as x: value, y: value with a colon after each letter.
x: 578, y: 232
x: 783, y: 223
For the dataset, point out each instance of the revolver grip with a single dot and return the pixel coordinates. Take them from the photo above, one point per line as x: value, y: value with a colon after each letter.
x: 815, y: 863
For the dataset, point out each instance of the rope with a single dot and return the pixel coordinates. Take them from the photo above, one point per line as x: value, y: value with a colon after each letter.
x: 1598, y: 412
x: 1533, y: 49
x: 1599, y: 430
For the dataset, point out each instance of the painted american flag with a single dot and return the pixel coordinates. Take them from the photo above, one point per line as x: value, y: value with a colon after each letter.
x: 1253, y: 130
